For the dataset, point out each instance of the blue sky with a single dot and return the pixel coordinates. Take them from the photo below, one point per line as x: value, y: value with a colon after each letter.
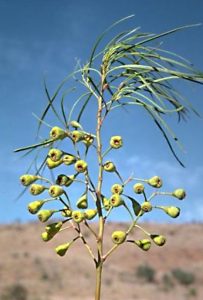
x: 44, y: 38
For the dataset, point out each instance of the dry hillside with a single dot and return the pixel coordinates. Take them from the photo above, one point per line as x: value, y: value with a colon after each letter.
x: 30, y: 270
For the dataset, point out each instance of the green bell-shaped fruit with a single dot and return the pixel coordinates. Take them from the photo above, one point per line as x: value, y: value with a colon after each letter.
x: 82, y: 202
x: 179, y: 193
x: 88, y: 140
x: 155, y: 181
x: 118, y: 237
x: 146, y: 206
x: 45, y: 214
x: 136, y: 207
x: 144, y: 244
x: 36, y: 189
x: 80, y: 166
x: 55, y: 154
x: 55, y: 191
x: 138, y: 188
x: 172, y: 211
x: 116, y: 142
x: 117, y: 189
x: 90, y: 214
x: 78, y: 216
x: 116, y: 200
x: 159, y: 240
x: 28, y: 179
x: 35, y: 206
x: 62, y: 249
x: 77, y: 136
x: 109, y: 166
x: 106, y: 203
x: 66, y: 212
x: 53, y: 164
x: 75, y: 124
x: 53, y: 228
x: 57, y: 133
x: 46, y: 236
x: 69, y: 159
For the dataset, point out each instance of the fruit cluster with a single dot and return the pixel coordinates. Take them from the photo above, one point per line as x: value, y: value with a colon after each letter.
x: 80, y: 211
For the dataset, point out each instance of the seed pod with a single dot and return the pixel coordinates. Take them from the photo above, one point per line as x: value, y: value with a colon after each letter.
x: 117, y: 189
x: 116, y: 200
x: 109, y: 166
x: 81, y: 166
x: 155, y: 181
x: 45, y: 214
x: 66, y: 212
x: 116, y: 142
x: 159, y: 240
x: 90, y: 214
x: 78, y: 216
x: 35, y: 206
x: 70, y: 180
x: 68, y: 159
x: 53, y: 164
x: 55, y: 191
x: 46, y: 236
x: 146, y: 206
x: 57, y: 133
x: 53, y: 228
x: 82, y: 202
x: 75, y: 124
x: 144, y: 244
x: 62, y: 249
x: 172, y: 211
x: 55, y: 154
x: 77, y: 136
x: 88, y: 139
x: 36, y: 189
x: 179, y: 193
x: 106, y: 203
x: 136, y: 207
x: 28, y: 179
x: 138, y: 188
x: 118, y: 237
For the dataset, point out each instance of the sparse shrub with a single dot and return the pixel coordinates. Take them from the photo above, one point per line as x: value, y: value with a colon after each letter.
x: 183, y: 277
x: 15, y: 292
x: 192, y: 292
x: 167, y: 282
x: 146, y: 272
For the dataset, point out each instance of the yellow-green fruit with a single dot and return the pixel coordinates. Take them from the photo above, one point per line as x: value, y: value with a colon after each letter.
x: 155, y: 181
x: 77, y: 136
x: 117, y: 189
x: 136, y: 207
x: 35, y: 206
x: 90, y: 214
x: 138, y: 188
x: 36, y: 189
x: 106, y: 203
x: 45, y: 214
x: 46, y: 236
x: 82, y: 202
x: 88, y: 139
x: 75, y: 124
x: 118, y: 237
x: 116, y: 142
x: 81, y: 166
x: 159, y: 240
x: 116, y: 200
x: 53, y: 228
x: 179, y: 193
x: 109, y: 166
x: 68, y: 159
x: 62, y: 249
x: 144, y: 244
x: 53, y: 164
x: 70, y: 180
x: 55, y: 154
x: 55, y: 191
x: 28, y: 179
x: 146, y: 206
x: 57, y: 133
x: 172, y: 211
x: 61, y: 179
x: 66, y: 212
x: 78, y: 216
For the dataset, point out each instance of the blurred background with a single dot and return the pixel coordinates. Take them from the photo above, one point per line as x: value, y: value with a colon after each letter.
x: 45, y: 39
